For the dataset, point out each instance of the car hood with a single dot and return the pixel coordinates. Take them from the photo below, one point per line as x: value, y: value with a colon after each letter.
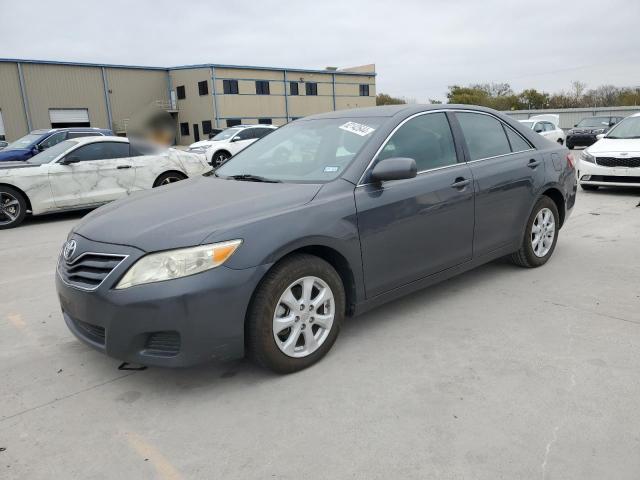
x: 12, y: 165
x: 183, y: 214
x: 606, y: 145
x: 206, y: 143
x: 13, y: 154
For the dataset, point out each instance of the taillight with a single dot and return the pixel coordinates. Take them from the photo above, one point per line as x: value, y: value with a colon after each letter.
x: 570, y: 161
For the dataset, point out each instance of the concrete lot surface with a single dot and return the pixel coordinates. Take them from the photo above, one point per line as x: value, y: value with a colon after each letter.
x: 499, y: 373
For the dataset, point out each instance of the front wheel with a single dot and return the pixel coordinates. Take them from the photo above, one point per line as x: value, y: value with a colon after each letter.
x: 219, y: 158
x: 13, y: 207
x: 295, y: 314
x: 540, y: 236
x: 167, y: 178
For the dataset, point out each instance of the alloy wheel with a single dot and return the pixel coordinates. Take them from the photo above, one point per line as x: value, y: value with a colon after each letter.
x: 168, y: 180
x: 9, y: 208
x: 303, y: 317
x: 543, y: 232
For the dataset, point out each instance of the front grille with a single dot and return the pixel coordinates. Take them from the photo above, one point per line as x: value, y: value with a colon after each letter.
x: 92, y: 332
x: 631, y: 162
x: 89, y: 270
x: 612, y: 178
x: 163, y: 344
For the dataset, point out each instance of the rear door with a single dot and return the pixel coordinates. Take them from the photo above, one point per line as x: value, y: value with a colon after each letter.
x: 507, y: 174
x: 101, y: 173
x: 413, y: 228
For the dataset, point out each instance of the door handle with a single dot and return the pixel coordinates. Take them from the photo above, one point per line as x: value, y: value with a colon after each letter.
x: 460, y: 183
x: 533, y: 163
x: 122, y: 167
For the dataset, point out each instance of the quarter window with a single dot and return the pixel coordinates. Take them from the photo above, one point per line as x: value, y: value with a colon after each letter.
x: 311, y: 88
x: 101, y: 151
x: 203, y: 87
x: 293, y: 88
x: 484, y: 135
x: 518, y: 144
x: 184, y: 128
x: 427, y: 139
x: 230, y: 87
x: 180, y: 92
x: 262, y: 87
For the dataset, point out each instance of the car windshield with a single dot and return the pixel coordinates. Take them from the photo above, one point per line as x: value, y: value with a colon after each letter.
x: 594, y: 122
x: 627, y: 128
x: 24, y: 142
x: 527, y: 123
x: 226, y: 134
x: 51, y: 153
x: 304, y: 151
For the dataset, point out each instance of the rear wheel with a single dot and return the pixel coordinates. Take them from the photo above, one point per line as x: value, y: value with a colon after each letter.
x: 169, y: 177
x: 540, y: 236
x: 13, y: 207
x: 589, y: 188
x: 295, y: 315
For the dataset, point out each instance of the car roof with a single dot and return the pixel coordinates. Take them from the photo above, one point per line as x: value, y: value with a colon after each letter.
x: 70, y: 129
x: 393, y: 110
x: 104, y: 138
x: 259, y: 125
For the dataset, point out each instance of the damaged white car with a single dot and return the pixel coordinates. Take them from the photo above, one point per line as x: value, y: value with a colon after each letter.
x: 88, y: 172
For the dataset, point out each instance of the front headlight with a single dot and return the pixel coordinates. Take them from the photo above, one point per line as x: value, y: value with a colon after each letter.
x: 598, y: 130
x: 587, y: 157
x: 197, y: 150
x: 182, y: 262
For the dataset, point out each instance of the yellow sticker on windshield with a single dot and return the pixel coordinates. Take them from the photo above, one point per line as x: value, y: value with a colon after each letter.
x: 357, y: 128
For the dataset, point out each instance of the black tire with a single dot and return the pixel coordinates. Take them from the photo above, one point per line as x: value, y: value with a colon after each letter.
x: 219, y: 158
x: 525, y: 256
x: 261, y: 345
x: 13, y: 207
x: 168, y: 178
x: 589, y: 188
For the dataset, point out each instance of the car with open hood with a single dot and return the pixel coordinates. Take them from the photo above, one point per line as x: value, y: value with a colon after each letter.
x: 323, y: 219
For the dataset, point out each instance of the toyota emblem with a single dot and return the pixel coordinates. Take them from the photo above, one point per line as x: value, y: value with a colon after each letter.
x: 69, y: 249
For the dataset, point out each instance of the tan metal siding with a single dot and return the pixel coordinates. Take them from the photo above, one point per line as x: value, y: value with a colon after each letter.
x: 15, y: 121
x: 64, y: 86
x: 195, y: 107
x: 131, y: 90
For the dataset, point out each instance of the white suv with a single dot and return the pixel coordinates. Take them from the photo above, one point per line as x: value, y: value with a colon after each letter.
x: 229, y: 142
x: 547, y: 126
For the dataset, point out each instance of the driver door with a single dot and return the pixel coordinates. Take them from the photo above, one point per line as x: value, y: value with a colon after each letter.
x: 92, y: 174
x: 242, y: 140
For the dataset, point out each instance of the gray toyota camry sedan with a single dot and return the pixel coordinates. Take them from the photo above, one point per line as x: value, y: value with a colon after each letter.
x: 321, y: 220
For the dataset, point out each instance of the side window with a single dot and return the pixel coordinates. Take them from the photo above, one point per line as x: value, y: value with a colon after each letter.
x: 518, y: 144
x: 101, y: 151
x: 484, y: 135
x: 427, y: 139
x: 261, y: 132
x: 549, y: 127
x: 538, y: 127
x: 82, y: 134
x: 52, y: 140
x: 247, y: 134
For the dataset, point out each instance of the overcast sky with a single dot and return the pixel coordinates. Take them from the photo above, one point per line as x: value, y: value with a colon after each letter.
x: 419, y: 47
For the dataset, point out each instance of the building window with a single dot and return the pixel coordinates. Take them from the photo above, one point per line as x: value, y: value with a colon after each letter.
x: 293, y: 88
x: 230, y: 87
x: 265, y: 121
x: 203, y: 87
x: 206, y: 127
x: 184, y: 128
x: 364, y: 90
x: 180, y: 92
x: 232, y: 122
x: 262, y: 87
x: 311, y: 88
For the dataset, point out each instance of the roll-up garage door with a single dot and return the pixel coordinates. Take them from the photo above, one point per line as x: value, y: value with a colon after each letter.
x: 69, y: 117
x: 1, y: 127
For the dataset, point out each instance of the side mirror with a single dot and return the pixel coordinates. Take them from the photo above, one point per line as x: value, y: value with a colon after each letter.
x: 236, y: 139
x: 600, y: 136
x: 396, y: 168
x: 68, y: 160
x: 611, y: 124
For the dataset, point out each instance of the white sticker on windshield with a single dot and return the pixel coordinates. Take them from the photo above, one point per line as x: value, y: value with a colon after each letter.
x: 357, y: 128
x: 331, y: 169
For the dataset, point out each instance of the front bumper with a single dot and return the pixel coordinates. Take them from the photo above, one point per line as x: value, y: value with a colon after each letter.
x: 581, y: 139
x: 593, y: 174
x: 174, y: 323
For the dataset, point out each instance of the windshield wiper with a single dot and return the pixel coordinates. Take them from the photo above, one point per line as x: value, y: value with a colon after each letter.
x: 253, y: 178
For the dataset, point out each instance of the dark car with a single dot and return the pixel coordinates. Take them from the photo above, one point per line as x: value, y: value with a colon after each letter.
x: 39, y: 140
x: 325, y: 218
x: 585, y: 133
x: 3, y: 144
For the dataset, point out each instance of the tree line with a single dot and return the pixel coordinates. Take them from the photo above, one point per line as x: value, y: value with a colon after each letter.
x: 500, y: 96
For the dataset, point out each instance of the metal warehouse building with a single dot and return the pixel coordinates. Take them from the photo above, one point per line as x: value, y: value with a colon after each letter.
x: 44, y: 94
